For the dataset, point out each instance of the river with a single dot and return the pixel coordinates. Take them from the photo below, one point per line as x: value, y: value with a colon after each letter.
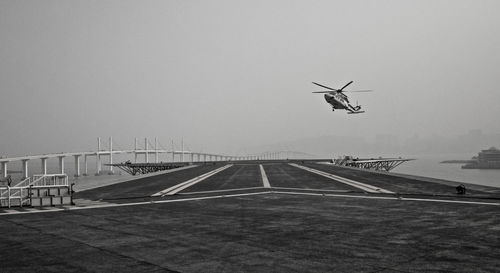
x: 430, y: 166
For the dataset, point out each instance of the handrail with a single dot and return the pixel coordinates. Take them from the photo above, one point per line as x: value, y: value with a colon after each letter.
x: 26, y: 180
x: 38, y: 181
x: 14, y: 193
x: 50, y: 179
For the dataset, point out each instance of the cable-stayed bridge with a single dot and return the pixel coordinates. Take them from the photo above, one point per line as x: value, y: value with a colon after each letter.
x: 149, y: 152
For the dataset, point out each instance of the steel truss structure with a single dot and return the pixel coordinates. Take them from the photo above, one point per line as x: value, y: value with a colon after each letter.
x: 143, y: 168
x: 380, y: 164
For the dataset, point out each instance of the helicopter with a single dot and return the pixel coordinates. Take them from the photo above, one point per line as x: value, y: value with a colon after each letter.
x: 339, y: 100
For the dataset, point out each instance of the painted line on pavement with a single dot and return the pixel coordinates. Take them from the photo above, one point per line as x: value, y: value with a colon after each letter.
x: 181, y: 186
x: 225, y: 190
x: 350, y: 182
x: 109, y: 205
x: 449, y: 201
x: 136, y: 203
x: 265, y: 181
x: 308, y: 189
x: 83, y: 185
x: 388, y: 198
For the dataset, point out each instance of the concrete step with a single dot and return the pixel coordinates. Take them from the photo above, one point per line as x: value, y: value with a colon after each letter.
x: 14, y: 202
x: 40, y: 192
x: 45, y: 201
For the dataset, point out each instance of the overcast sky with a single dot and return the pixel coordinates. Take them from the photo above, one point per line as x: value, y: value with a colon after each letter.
x: 227, y: 75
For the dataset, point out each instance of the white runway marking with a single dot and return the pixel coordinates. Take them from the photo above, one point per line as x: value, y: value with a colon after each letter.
x: 356, y: 184
x: 450, y: 201
x: 109, y: 205
x: 307, y: 189
x: 83, y: 184
x: 179, y: 187
x: 389, y: 198
x: 265, y: 181
x: 225, y: 190
x: 137, y: 203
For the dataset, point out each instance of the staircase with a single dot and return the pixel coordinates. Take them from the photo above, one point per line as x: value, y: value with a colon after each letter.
x: 38, y: 191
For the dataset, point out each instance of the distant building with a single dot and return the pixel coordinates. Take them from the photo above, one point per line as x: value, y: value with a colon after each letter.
x: 490, y: 155
x: 486, y: 159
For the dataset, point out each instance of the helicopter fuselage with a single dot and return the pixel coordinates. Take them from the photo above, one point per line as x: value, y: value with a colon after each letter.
x: 337, y: 100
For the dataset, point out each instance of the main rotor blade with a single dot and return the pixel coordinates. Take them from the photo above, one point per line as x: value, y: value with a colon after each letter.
x: 323, y: 92
x: 358, y: 91
x: 346, y: 85
x: 324, y: 86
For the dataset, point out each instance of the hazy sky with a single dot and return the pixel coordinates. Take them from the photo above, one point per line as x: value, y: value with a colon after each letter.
x: 227, y: 75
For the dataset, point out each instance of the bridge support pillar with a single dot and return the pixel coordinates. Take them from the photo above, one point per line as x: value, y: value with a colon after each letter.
x: 77, y: 165
x: 98, y: 157
x: 135, y: 150
x: 4, y: 169
x: 110, y: 155
x: 85, y: 170
x: 25, y: 168
x: 173, y: 153
x: 182, y: 150
x: 98, y: 164
x: 146, y: 156
x: 156, y: 150
x: 61, y: 164
x: 44, y: 165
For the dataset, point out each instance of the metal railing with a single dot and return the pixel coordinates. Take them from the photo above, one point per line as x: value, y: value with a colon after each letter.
x: 44, y: 180
x: 13, y: 193
x: 21, y: 191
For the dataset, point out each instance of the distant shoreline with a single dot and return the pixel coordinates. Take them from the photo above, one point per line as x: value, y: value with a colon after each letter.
x: 457, y: 161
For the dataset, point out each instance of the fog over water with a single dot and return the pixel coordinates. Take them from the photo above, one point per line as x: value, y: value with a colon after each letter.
x: 235, y: 76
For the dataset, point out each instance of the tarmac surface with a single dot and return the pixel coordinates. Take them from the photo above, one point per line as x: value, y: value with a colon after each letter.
x: 229, y: 220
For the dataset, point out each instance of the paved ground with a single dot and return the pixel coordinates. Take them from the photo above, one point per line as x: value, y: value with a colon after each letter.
x: 238, y: 176
x: 284, y: 175
x: 230, y: 222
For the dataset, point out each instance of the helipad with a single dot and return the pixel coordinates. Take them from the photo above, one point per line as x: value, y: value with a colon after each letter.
x: 260, y: 217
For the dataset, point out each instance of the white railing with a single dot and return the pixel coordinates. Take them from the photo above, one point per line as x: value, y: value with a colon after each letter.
x: 14, y: 193
x: 44, y: 180
x: 21, y: 190
x: 25, y: 182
